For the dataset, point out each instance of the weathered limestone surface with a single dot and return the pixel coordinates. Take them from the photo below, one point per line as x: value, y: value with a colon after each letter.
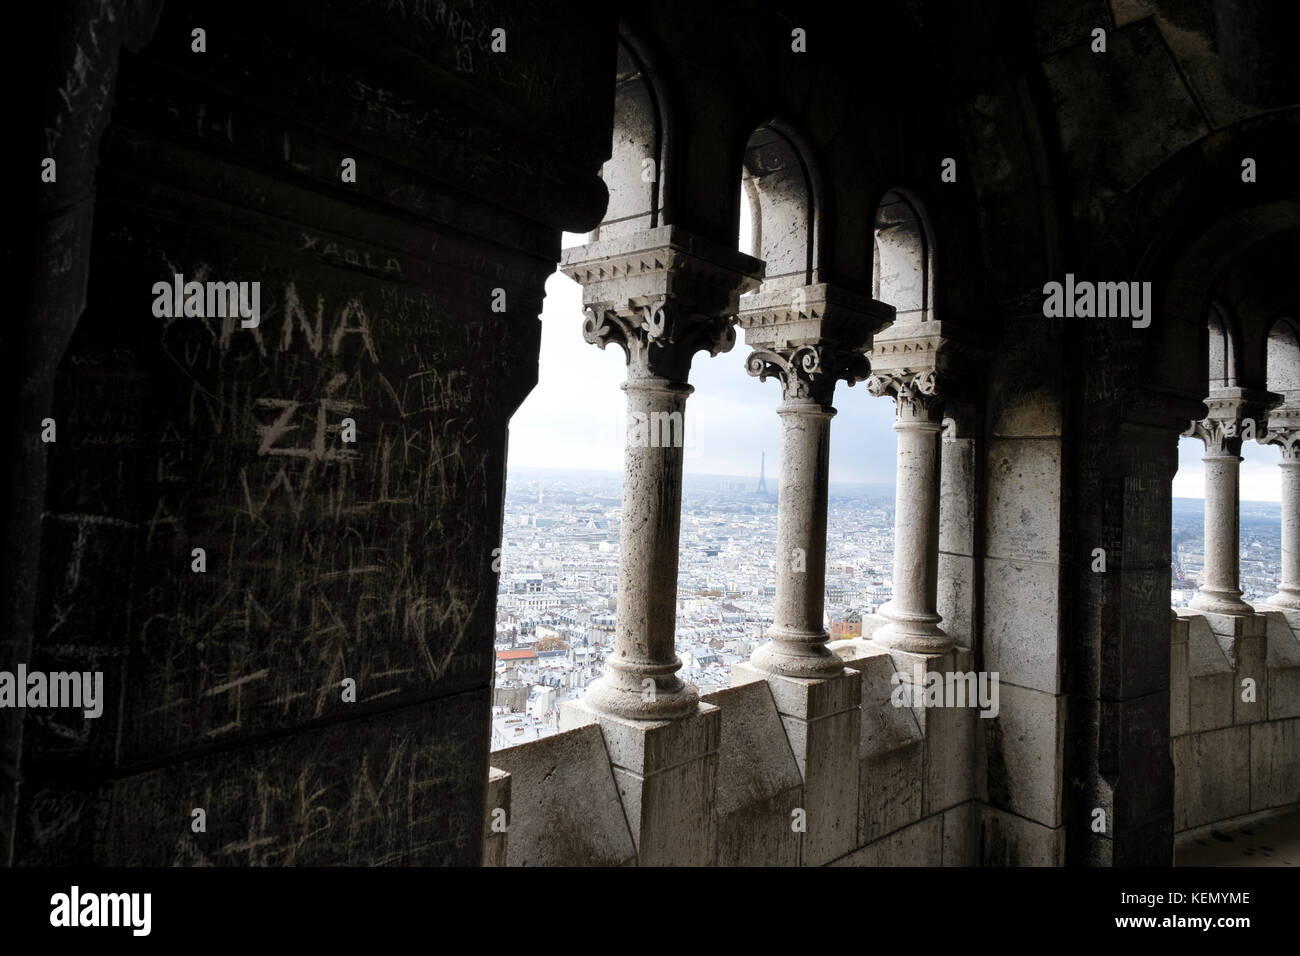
x: 1023, y: 741
x: 1283, y: 666
x: 1233, y: 757
x: 1209, y: 672
x: 823, y: 724
x: 1211, y: 776
x: 891, y: 754
x: 1274, y: 764
x: 1008, y: 840
x: 759, y: 785
x: 361, y: 789
x: 565, y: 807
x: 666, y: 773
x: 920, y: 844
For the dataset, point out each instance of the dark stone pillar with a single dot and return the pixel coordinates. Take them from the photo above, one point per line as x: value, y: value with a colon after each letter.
x: 406, y: 302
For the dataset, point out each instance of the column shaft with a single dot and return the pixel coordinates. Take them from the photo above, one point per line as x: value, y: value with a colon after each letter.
x: 798, y: 638
x: 913, y: 621
x: 1220, y: 590
x: 640, y: 678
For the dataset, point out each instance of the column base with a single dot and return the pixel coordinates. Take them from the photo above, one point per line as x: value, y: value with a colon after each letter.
x: 1284, y: 598
x: 1220, y: 602
x: 641, y: 701
x: 913, y: 633
x: 789, y: 654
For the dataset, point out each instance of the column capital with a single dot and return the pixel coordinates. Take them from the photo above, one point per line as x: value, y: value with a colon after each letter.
x: 660, y: 338
x: 921, y: 365
x: 661, y: 295
x: 808, y: 373
x: 811, y: 337
x: 918, y: 395
x: 1284, y: 431
x: 1225, y: 425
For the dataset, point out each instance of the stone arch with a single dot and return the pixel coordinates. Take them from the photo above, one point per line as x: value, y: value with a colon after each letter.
x: 1282, y: 358
x: 1187, y: 264
x: 1222, y: 347
x: 635, y: 173
x: 902, y: 270
x: 779, y: 183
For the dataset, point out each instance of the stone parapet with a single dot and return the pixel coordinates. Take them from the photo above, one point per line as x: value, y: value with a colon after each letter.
x: 1234, y: 715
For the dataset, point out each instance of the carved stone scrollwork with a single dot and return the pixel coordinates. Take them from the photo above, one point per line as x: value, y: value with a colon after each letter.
x: 1287, y: 439
x: 809, y: 373
x: 1222, y: 437
x: 1284, y: 431
x: 916, y: 395
x: 660, y: 338
x: 1237, y: 415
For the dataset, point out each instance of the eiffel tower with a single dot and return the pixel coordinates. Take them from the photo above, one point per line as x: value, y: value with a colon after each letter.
x: 762, y: 480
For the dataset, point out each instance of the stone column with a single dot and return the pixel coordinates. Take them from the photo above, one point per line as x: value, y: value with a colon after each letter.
x: 640, y: 678
x: 1284, y: 431
x: 913, y: 621
x: 1219, y: 590
x: 661, y: 295
x: 809, y: 338
x: 808, y: 372
x: 797, y: 640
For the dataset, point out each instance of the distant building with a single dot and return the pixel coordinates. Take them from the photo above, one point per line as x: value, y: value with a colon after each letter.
x: 517, y: 655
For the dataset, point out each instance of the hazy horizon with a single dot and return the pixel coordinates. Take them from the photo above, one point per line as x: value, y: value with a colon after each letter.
x: 618, y: 472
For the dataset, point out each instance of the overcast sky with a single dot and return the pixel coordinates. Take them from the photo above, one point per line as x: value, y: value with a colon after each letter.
x: 574, y: 417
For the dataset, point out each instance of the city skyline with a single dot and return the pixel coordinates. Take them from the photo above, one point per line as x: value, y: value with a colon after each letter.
x: 556, y: 600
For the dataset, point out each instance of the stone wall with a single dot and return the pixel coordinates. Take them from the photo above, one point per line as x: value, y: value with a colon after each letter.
x: 1234, y: 715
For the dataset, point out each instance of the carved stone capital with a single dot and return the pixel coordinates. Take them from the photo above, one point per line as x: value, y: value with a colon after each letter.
x: 1284, y: 431
x: 918, y: 395
x: 1235, y: 414
x: 659, y: 339
x: 1221, y: 436
x: 661, y: 295
x: 811, y: 337
x: 809, y: 373
x: 943, y: 353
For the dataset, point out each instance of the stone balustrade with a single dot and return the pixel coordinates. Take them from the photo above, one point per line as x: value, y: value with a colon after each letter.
x: 907, y: 793
x: 917, y: 792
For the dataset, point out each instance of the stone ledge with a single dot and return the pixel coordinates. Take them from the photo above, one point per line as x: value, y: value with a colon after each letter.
x: 759, y: 785
x: 1209, y: 676
x: 565, y: 807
